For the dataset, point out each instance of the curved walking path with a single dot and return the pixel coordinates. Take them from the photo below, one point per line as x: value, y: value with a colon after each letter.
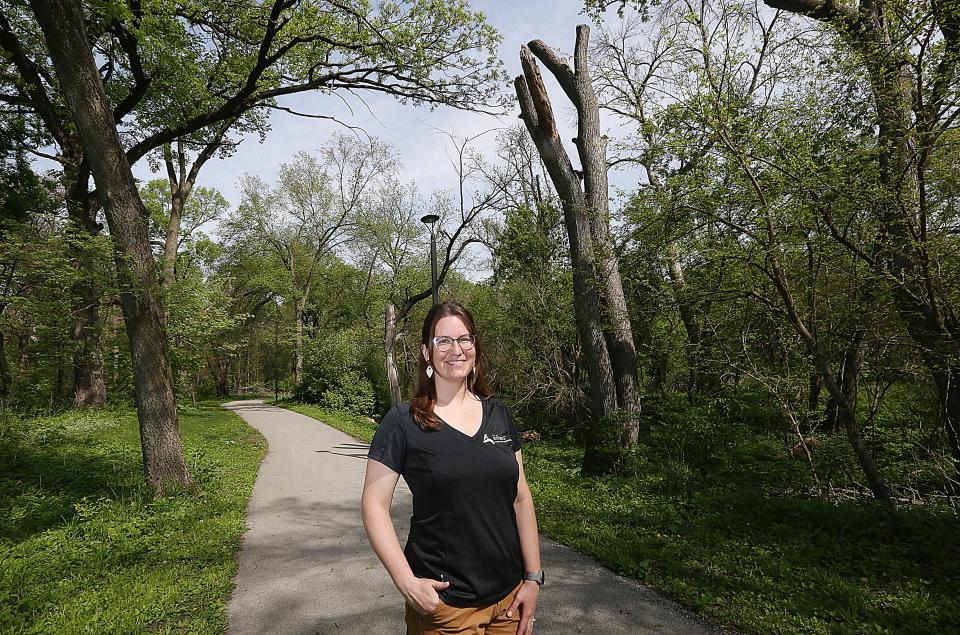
x: 306, y: 567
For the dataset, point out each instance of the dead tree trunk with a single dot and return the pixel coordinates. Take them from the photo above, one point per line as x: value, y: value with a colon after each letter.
x: 389, y: 342
x: 602, y: 451
x: 592, y: 149
x: 63, y: 28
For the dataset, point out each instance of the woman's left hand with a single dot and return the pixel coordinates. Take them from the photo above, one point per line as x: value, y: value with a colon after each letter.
x: 526, y: 602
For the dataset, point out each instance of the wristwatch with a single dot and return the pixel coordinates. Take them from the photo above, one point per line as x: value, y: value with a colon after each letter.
x: 534, y: 577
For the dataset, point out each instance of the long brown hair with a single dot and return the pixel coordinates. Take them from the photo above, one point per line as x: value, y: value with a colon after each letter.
x: 425, y: 400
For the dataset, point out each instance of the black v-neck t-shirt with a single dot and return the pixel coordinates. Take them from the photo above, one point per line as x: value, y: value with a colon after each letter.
x: 464, y: 528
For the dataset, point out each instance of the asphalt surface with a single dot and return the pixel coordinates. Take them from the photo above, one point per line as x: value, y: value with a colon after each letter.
x: 306, y: 566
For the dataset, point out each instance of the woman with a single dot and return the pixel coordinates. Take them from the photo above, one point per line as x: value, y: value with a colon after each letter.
x: 472, y: 560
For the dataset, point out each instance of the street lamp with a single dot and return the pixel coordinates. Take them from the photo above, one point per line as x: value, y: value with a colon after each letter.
x: 431, y: 220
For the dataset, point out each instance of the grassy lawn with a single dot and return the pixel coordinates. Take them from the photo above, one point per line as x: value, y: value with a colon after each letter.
x: 357, y: 426
x: 699, y: 514
x: 84, y: 548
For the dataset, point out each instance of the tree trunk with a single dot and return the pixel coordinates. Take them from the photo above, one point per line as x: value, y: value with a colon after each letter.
x: 389, y: 341
x: 920, y: 303
x: 904, y: 255
x: 602, y: 453
x: 89, y: 381
x: 814, y: 390
x: 300, y: 308
x: 222, y: 370
x: 177, y: 199
x: 4, y: 372
x: 181, y: 183
x: 822, y: 362
x: 849, y: 379
x: 63, y: 27
x: 592, y: 150
x: 698, y: 376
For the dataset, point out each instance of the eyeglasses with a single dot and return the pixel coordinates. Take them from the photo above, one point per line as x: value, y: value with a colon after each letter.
x: 444, y: 343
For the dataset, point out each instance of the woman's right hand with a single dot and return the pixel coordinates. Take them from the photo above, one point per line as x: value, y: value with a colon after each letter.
x: 421, y: 594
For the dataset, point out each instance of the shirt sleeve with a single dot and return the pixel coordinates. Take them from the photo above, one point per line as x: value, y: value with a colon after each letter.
x: 516, y: 443
x: 389, y: 445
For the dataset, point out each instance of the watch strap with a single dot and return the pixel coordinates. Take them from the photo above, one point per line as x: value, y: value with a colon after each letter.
x: 535, y: 577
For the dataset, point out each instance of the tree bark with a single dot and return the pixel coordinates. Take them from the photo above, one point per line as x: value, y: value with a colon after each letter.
x: 537, y: 113
x: 850, y: 369
x: 89, y: 381
x: 4, y: 372
x: 300, y: 307
x: 592, y: 150
x: 692, y: 323
x: 63, y: 28
x: 389, y: 342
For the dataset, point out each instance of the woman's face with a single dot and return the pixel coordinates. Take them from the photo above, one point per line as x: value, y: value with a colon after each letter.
x: 455, y: 364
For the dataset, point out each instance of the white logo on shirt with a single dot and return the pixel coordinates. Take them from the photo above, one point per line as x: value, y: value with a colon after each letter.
x: 495, y: 439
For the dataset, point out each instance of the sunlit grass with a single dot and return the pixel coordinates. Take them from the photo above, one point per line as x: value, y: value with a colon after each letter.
x: 85, y: 549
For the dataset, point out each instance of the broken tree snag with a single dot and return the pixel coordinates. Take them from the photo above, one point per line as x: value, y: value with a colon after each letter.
x: 602, y: 453
x: 592, y: 150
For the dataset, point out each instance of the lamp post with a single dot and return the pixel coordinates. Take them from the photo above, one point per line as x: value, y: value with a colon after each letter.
x: 431, y: 220
x: 276, y: 352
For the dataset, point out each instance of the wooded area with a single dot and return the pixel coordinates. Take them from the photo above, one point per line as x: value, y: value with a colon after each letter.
x: 790, y: 239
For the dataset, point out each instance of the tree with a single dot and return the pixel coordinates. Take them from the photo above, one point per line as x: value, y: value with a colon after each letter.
x: 910, y: 53
x: 633, y: 76
x: 175, y: 219
x: 65, y: 34
x: 309, y: 215
x: 602, y: 319
x: 391, y: 238
x: 181, y: 181
x: 170, y: 74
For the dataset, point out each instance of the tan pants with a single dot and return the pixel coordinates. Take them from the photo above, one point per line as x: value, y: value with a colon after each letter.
x: 451, y: 620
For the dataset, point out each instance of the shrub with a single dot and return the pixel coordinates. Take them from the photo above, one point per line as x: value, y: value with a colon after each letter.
x: 336, y: 373
x: 353, y: 393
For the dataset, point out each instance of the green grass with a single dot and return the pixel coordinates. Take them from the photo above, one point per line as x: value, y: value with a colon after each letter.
x: 357, y: 426
x: 700, y: 514
x: 85, y: 549
x: 752, y: 560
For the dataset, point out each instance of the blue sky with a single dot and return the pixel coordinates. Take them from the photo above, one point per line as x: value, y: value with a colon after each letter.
x: 413, y: 131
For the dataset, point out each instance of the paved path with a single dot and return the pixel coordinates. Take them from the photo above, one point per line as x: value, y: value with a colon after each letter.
x: 306, y: 567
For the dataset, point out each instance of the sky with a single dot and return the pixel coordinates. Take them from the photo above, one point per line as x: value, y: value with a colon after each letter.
x: 416, y: 133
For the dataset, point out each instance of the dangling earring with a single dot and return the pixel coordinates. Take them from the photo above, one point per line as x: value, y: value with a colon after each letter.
x: 429, y: 370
